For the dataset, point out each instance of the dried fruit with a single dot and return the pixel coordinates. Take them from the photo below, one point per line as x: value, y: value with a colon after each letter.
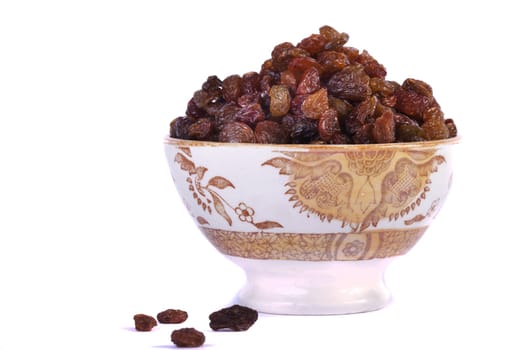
x: 187, y: 338
x: 144, y: 323
x: 318, y: 91
x: 172, y: 316
x: 235, y: 318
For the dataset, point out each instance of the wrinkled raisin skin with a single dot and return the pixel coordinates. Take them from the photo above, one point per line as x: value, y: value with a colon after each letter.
x: 172, y: 316
x: 144, y: 323
x: 187, y: 338
x: 236, y: 318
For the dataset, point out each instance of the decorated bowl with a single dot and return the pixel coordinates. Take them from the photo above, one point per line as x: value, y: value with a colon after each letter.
x: 313, y: 226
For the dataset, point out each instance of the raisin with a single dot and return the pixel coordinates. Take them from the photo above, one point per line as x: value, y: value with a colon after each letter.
x: 297, y: 104
x: 373, y: 68
x: 333, y: 37
x: 409, y: 133
x: 235, y: 318
x: 350, y: 83
x: 384, y: 130
x: 269, y: 131
x: 364, y: 134
x: 236, y: 132
x: 342, y: 107
x: 187, y: 338
x: 299, y: 65
x: 226, y: 114
x: 435, y: 129
x: 328, y: 125
x: 144, y: 323
x: 212, y: 84
x: 172, y: 316
x: 418, y: 86
x: 452, y: 130
x: 310, y: 81
x: 232, y: 88
x: 193, y: 110
x: 179, y: 127
x: 288, y: 79
x: 248, y: 99
x: 331, y: 62
x: 201, y: 129
x: 411, y: 103
x: 250, y: 114
x: 250, y: 83
x: 340, y: 139
x: 314, y: 44
x: 303, y: 130
x: 280, y: 99
x: 364, y: 110
x: 283, y: 53
x: 383, y: 87
x: 315, y: 104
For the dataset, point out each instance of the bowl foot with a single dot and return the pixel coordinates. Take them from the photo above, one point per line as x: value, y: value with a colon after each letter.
x: 313, y: 288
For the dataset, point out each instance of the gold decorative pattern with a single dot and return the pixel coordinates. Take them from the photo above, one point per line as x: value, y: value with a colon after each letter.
x: 314, y: 247
x: 358, y: 188
x: 206, y: 194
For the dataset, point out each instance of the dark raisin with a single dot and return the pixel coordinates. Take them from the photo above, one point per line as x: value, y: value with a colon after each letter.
x: 409, y: 133
x: 280, y: 100
x: 212, y: 84
x: 248, y: 99
x: 250, y: 83
x: 412, y: 103
x: 144, y: 323
x: 172, y: 316
x: 236, y: 132
x: 283, y: 53
x: 364, y: 134
x: 201, y: 129
x: 303, y: 130
x: 250, y: 114
x: 297, y: 104
x: 350, y: 83
x: 315, y: 104
x: 179, y: 127
x: 193, y: 110
x: 383, y: 87
x: 342, y: 107
x: 418, y: 86
x: 452, y: 130
x: 269, y: 131
x: 235, y: 318
x: 232, y: 88
x: 187, y: 338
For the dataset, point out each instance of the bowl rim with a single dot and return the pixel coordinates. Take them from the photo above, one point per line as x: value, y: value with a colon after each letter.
x: 363, y: 147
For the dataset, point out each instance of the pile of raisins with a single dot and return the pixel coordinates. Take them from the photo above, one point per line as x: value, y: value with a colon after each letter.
x: 318, y: 91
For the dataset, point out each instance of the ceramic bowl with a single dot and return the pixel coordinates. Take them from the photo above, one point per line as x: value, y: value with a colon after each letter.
x: 313, y: 226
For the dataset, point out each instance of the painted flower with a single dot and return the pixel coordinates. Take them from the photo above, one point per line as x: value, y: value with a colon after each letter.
x: 353, y: 248
x: 244, y: 212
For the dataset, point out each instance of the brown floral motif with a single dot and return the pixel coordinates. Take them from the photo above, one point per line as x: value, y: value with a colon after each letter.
x: 314, y: 247
x: 207, y: 194
x: 358, y: 188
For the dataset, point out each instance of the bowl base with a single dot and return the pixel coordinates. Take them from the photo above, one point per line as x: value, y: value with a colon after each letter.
x: 313, y: 288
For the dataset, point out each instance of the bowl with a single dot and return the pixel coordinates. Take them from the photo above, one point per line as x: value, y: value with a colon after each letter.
x: 314, y: 227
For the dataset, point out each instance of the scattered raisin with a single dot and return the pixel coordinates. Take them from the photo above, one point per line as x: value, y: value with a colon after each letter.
x: 144, y: 323
x: 172, y: 316
x: 187, y: 338
x: 235, y: 318
x: 236, y: 132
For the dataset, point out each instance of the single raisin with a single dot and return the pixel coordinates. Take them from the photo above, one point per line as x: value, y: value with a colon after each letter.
x: 287, y: 78
x: 269, y: 131
x: 280, y: 100
x: 248, y: 99
x: 250, y: 114
x: 310, y: 81
x: 350, y: 83
x: 187, y: 338
x: 232, y: 88
x: 333, y: 37
x: 328, y: 125
x: 236, y: 132
x: 250, y: 83
x: 201, y: 129
x: 212, y: 84
x: 144, y: 323
x: 412, y: 103
x: 302, y: 130
x: 315, y: 104
x: 384, y: 130
x: 235, y: 318
x: 373, y: 68
x: 179, y: 127
x: 314, y: 44
x: 331, y: 62
x: 409, y: 133
x: 342, y: 107
x: 172, y: 316
x: 418, y: 86
x: 452, y: 130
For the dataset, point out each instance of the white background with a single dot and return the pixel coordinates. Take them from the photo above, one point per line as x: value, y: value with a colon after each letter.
x: 92, y: 230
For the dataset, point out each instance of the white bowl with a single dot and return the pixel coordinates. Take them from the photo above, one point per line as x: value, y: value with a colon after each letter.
x: 313, y: 226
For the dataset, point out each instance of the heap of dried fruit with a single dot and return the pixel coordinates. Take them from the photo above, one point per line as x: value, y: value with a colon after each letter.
x: 318, y: 91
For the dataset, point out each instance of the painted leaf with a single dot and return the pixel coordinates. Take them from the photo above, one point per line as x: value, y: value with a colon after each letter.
x: 202, y: 221
x: 267, y: 224
x: 219, y: 207
x: 200, y: 171
x: 185, y: 163
x: 220, y: 182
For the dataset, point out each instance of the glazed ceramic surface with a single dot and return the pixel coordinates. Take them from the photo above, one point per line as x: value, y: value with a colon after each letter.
x: 313, y: 226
